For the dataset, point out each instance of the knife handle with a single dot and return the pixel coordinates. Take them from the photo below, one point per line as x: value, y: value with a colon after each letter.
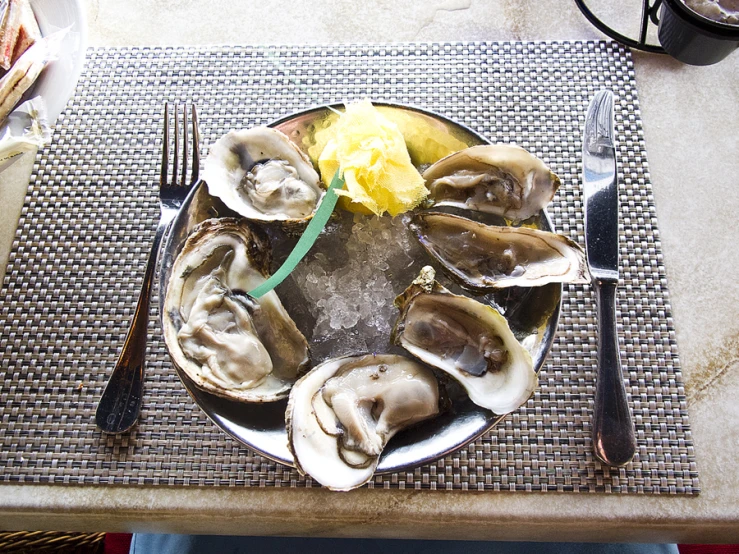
x: 613, y: 431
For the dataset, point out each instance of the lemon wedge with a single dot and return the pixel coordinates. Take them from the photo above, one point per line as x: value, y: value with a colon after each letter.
x: 371, y: 154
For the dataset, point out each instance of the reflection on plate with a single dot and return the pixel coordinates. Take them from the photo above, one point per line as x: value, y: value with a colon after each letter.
x: 532, y: 313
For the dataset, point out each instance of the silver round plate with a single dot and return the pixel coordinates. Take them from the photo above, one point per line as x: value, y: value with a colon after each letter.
x: 532, y: 313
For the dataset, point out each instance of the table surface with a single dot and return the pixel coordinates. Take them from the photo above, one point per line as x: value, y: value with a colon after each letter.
x: 690, y: 126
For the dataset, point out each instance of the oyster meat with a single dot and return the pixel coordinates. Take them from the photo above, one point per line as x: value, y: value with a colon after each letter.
x: 343, y: 412
x: 468, y: 340
x: 226, y: 342
x: 260, y: 174
x: 486, y: 257
x: 500, y: 179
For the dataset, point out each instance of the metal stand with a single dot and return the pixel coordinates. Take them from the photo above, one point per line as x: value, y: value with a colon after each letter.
x: 649, y: 14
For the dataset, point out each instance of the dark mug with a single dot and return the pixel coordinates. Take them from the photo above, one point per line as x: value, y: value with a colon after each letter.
x: 692, y: 38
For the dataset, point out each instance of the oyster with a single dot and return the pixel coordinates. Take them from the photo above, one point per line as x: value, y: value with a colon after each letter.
x: 499, y: 179
x: 226, y: 342
x: 343, y: 412
x: 260, y: 174
x: 486, y: 257
x: 468, y: 340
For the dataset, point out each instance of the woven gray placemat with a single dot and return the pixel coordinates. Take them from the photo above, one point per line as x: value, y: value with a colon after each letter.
x: 84, y: 235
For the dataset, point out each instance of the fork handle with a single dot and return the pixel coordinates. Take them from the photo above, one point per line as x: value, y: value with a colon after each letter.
x: 120, y: 402
x: 614, y: 442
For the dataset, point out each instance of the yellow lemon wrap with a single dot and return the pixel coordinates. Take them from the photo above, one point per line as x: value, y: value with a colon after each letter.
x: 371, y: 154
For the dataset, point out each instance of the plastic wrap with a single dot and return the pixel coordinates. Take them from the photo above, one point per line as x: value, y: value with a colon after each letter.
x: 26, y: 127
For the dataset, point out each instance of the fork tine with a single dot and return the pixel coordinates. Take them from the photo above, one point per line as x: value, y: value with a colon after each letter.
x: 183, y: 178
x: 195, y: 147
x: 176, y: 147
x: 165, y: 148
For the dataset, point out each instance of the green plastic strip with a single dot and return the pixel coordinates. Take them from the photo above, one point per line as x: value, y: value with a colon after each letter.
x: 305, y: 243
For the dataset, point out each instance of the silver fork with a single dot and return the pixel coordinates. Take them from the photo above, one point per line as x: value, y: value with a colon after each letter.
x: 120, y: 402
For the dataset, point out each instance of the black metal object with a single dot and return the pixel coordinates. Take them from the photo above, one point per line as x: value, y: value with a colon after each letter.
x: 649, y: 14
x: 693, y: 39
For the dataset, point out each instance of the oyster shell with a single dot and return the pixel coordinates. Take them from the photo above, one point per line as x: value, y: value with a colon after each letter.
x: 260, y: 174
x: 343, y: 412
x: 500, y: 179
x: 483, y: 257
x: 226, y: 342
x: 468, y: 340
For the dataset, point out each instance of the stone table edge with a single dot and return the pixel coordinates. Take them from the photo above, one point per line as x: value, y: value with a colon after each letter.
x: 368, y: 513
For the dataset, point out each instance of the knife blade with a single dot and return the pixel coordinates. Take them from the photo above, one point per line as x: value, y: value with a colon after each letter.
x: 614, y: 442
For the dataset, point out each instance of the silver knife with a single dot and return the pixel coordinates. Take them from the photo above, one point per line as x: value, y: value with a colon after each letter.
x: 613, y: 431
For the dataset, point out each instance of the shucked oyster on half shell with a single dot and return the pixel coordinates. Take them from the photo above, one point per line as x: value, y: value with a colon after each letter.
x: 483, y: 257
x: 343, y: 412
x: 260, y: 174
x: 226, y: 342
x: 468, y: 340
x: 499, y: 179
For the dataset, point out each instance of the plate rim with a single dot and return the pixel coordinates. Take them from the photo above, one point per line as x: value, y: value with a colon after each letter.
x: 58, y: 81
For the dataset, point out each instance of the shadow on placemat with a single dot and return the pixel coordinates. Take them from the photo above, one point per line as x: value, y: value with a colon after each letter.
x: 28, y: 542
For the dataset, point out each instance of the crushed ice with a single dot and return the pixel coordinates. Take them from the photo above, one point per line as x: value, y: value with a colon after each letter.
x: 349, y: 281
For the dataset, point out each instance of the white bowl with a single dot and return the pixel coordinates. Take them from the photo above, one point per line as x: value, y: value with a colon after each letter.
x: 56, y: 83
